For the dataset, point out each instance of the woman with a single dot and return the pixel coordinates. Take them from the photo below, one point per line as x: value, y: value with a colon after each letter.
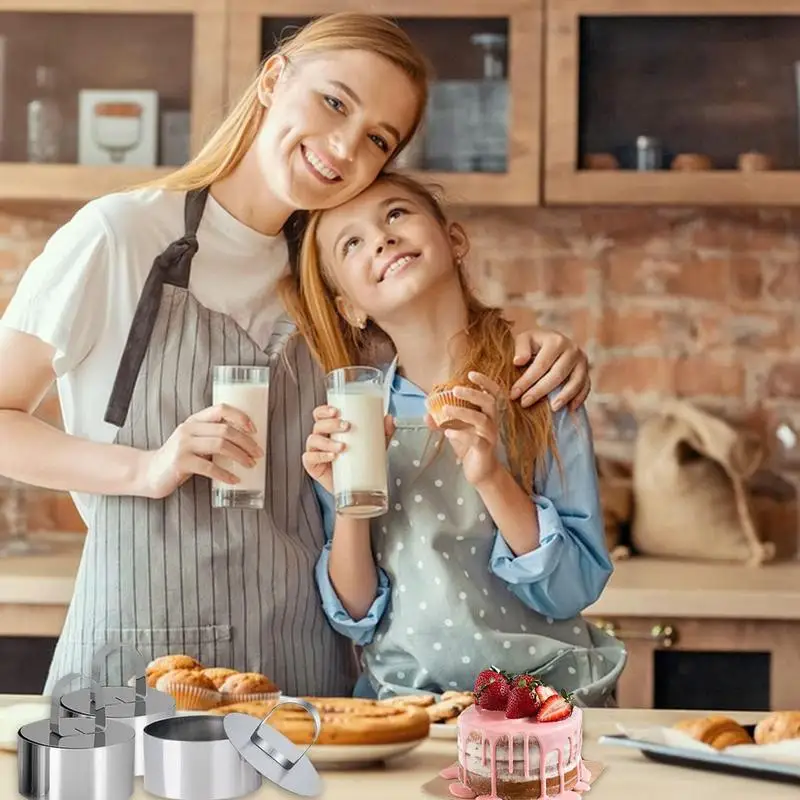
x: 130, y: 306
x: 492, y: 545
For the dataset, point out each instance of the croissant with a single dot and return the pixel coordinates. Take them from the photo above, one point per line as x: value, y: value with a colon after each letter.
x: 779, y: 725
x: 719, y: 732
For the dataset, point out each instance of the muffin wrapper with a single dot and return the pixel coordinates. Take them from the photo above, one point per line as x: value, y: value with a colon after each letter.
x: 436, y: 407
x: 192, y: 698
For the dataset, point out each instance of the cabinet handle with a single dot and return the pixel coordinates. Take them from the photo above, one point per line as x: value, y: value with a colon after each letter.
x: 662, y: 633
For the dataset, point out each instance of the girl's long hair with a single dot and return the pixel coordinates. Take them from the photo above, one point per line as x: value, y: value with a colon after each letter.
x: 310, y: 296
x: 345, y: 30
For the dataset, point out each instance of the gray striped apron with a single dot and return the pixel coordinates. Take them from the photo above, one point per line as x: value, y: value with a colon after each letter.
x: 230, y: 587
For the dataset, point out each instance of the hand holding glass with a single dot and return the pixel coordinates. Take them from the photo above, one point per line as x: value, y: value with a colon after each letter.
x: 245, y: 388
x: 359, y: 471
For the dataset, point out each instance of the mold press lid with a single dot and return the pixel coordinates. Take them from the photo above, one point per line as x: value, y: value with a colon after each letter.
x: 270, y: 753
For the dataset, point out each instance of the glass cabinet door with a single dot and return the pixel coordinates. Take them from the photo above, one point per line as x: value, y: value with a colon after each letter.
x: 479, y: 138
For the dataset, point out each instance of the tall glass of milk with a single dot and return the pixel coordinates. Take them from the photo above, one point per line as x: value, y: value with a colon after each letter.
x: 359, y: 471
x: 245, y: 388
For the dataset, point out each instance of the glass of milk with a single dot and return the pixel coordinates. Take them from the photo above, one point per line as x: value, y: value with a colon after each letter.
x: 359, y: 471
x: 245, y: 388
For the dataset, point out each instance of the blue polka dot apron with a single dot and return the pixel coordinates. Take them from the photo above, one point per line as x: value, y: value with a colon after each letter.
x: 449, y: 616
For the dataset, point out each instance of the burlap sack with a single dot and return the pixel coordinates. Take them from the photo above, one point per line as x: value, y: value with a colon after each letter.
x: 690, y: 499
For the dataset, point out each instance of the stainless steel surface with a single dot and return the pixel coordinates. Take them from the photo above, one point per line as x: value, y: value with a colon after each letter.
x: 136, y: 706
x: 77, y: 758
x: 123, y: 706
x: 272, y: 754
x: 191, y: 758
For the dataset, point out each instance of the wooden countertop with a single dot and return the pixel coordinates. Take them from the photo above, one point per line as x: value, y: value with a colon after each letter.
x: 46, y: 578
x: 644, y: 587
x: 640, y: 587
x: 627, y: 775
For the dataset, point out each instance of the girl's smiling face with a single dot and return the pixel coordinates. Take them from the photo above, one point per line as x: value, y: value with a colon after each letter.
x: 385, y: 248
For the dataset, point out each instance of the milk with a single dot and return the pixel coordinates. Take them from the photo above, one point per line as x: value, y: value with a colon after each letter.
x: 252, y: 399
x: 359, y: 472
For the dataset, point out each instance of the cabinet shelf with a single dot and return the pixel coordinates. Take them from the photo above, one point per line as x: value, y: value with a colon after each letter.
x: 69, y: 182
x: 173, y: 48
x: 717, y: 78
x: 721, y: 188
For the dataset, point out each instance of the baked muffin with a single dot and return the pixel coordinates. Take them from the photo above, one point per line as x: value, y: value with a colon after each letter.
x: 159, y: 666
x: 442, y: 396
x: 219, y: 675
x: 192, y: 690
x: 247, y: 686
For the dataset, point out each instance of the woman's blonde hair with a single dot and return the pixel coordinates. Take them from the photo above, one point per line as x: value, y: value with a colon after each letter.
x: 341, y: 31
x: 310, y: 296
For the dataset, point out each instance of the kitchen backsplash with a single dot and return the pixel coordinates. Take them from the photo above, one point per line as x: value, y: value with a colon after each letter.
x: 698, y: 304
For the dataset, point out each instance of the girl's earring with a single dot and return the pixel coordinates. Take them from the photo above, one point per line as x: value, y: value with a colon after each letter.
x: 361, y: 323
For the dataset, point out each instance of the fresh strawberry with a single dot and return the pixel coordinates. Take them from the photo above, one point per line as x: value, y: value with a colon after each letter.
x: 553, y: 709
x: 493, y: 696
x: 522, y: 702
x: 525, y: 679
x: 488, y: 676
x: 543, y: 692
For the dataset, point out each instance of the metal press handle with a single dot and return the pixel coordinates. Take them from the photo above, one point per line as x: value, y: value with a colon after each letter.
x: 664, y: 634
x: 99, y: 661
x: 279, y: 758
x: 98, y: 712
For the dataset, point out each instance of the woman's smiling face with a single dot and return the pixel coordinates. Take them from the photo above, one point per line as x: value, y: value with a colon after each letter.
x: 333, y: 121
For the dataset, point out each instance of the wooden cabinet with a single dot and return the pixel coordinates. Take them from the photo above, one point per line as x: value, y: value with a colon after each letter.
x: 444, y: 30
x: 719, y: 79
x: 173, y: 47
x: 716, y: 78
x: 708, y: 663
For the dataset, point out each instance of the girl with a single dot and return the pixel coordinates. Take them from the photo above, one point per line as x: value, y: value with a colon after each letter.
x: 493, y: 543
x: 131, y: 305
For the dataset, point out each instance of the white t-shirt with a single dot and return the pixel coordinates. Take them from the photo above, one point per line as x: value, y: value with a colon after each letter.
x: 80, y: 294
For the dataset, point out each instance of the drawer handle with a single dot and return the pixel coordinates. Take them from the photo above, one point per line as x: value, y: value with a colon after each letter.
x: 663, y: 634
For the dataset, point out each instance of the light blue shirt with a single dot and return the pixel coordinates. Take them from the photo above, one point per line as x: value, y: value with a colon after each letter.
x: 561, y: 577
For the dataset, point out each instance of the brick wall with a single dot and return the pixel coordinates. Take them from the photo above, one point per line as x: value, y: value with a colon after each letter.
x: 702, y: 305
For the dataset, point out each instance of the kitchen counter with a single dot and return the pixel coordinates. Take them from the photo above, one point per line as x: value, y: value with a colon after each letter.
x: 651, y: 587
x: 35, y: 590
x: 45, y: 578
x: 640, y: 587
x: 627, y: 774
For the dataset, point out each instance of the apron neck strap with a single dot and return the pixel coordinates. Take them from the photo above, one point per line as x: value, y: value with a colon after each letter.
x: 172, y: 266
x: 193, y: 207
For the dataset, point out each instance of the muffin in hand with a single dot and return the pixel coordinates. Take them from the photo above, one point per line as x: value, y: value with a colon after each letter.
x: 440, y: 398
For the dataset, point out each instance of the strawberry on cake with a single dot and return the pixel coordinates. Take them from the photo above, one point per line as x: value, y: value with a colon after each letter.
x: 520, y: 741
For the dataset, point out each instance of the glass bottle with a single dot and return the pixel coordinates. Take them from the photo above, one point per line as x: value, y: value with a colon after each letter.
x: 491, y: 124
x: 45, y: 121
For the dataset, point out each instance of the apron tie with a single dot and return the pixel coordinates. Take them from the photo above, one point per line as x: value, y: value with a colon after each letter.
x: 172, y: 266
x: 172, y: 263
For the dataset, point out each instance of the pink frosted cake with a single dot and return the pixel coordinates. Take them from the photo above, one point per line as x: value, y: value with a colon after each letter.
x: 528, y: 750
